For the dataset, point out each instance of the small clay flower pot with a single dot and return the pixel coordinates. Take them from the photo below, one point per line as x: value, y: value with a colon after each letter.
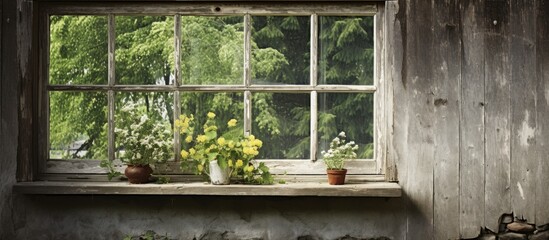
x: 336, y: 177
x: 138, y: 173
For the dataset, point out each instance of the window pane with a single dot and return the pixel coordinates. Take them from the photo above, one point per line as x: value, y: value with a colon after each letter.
x: 131, y: 107
x: 346, y: 50
x: 78, y: 125
x: 280, y: 50
x: 212, y: 50
x: 144, y: 50
x: 226, y: 106
x: 348, y: 112
x: 282, y: 122
x: 78, y: 50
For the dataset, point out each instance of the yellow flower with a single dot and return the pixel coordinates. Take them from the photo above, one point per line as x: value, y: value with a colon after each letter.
x: 231, y: 144
x: 201, y: 138
x: 200, y: 168
x: 249, y: 151
x: 211, y: 115
x: 239, y: 163
x: 221, y: 141
x: 249, y: 168
x: 257, y: 143
x: 251, y: 137
x: 192, y: 151
x: 188, y: 139
x: 232, y: 123
x: 230, y: 163
x: 184, y: 154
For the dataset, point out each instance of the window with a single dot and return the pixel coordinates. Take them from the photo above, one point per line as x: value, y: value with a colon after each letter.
x: 294, y: 75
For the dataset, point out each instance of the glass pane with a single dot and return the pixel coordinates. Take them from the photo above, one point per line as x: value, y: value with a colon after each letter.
x: 78, y: 125
x: 226, y: 106
x: 282, y: 121
x: 144, y: 50
x: 348, y: 112
x: 78, y: 50
x: 280, y: 50
x: 212, y: 50
x: 346, y: 50
x: 134, y: 113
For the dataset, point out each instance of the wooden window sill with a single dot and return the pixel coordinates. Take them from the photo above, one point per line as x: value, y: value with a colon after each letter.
x: 364, y: 189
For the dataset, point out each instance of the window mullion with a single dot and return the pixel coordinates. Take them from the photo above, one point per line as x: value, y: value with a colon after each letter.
x: 177, y: 82
x: 111, y: 83
x: 314, y: 82
x: 247, y: 74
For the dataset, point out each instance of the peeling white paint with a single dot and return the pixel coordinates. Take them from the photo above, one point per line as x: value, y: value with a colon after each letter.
x: 526, y: 132
x: 521, y: 191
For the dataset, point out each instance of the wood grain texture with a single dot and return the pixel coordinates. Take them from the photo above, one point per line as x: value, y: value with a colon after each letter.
x: 18, y: 67
x: 542, y: 103
x: 497, y: 198
x: 372, y: 189
x: 393, y: 65
x: 446, y: 127
x: 472, y: 119
x: 416, y: 132
x: 524, y: 120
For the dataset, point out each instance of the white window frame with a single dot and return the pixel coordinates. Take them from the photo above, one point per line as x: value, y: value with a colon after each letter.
x: 73, y: 169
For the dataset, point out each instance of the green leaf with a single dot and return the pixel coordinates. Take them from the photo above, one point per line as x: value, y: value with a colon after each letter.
x: 212, y: 156
x: 211, y: 135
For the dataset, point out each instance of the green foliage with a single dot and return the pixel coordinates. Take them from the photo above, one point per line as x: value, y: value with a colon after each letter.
x: 212, y: 53
x: 340, y: 150
x: 231, y: 150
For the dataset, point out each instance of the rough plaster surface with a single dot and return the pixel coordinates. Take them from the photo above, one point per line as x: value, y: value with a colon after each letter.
x: 112, y: 217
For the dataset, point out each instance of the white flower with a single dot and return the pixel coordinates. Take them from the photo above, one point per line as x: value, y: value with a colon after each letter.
x: 342, y: 134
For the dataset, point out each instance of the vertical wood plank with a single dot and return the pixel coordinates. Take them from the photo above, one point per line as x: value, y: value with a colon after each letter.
x: 393, y: 67
x: 111, y: 82
x: 542, y: 131
x: 523, y: 110
x: 380, y: 122
x: 446, y: 92
x: 18, y: 65
x: 472, y: 120
x: 497, y: 198
x: 177, y: 82
x: 313, y: 82
x: 413, y: 109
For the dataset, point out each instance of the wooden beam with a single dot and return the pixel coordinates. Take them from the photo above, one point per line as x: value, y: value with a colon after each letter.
x: 217, y: 88
x: 212, y: 9
x: 370, y: 189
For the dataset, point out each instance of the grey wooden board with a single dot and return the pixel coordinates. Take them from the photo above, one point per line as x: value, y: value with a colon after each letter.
x: 472, y: 120
x: 415, y: 95
x: 542, y: 103
x: 393, y: 58
x: 373, y: 189
x: 497, y: 198
x: 523, y: 110
x: 446, y: 104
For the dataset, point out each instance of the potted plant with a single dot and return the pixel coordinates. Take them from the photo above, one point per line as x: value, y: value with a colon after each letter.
x: 335, y: 157
x: 144, y: 141
x: 221, y: 157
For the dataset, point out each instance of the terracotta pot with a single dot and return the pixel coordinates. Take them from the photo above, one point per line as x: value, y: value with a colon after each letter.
x: 138, y: 173
x: 336, y: 177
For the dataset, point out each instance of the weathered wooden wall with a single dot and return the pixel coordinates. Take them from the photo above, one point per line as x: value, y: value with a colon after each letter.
x: 469, y: 140
x: 471, y: 113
